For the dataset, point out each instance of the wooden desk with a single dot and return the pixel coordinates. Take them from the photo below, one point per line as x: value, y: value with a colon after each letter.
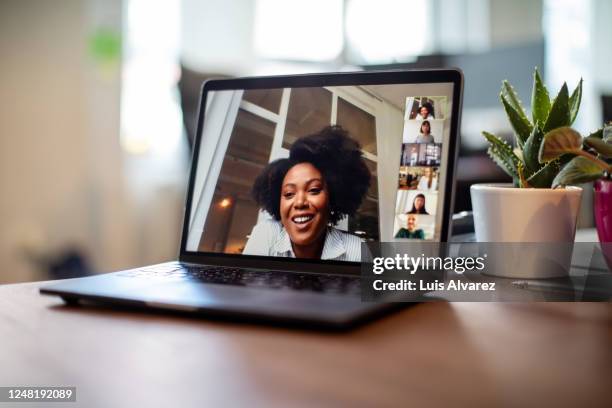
x: 435, y: 354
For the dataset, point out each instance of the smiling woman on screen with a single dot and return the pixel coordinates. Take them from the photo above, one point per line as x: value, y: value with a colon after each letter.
x: 324, y: 180
x: 418, y: 205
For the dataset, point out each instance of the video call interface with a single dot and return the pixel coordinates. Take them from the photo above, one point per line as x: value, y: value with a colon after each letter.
x: 313, y: 172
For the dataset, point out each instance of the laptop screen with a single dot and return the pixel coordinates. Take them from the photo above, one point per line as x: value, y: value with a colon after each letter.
x: 312, y: 172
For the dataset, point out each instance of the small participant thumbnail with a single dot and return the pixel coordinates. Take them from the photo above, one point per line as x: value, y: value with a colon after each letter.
x: 416, y: 154
x: 416, y: 202
x: 423, y: 131
x: 414, y: 226
x: 425, y: 107
x: 419, y: 178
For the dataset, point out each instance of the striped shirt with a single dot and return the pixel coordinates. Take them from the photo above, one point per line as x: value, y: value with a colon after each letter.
x: 269, y: 238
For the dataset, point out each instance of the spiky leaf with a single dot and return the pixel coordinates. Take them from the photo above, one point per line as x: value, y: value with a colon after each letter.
x: 579, y: 170
x: 502, y: 154
x: 543, y: 178
x: 604, y: 149
x: 540, y: 100
x: 574, y: 102
x: 521, y: 125
x: 559, y: 115
x: 558, y: 142
x: 532, y: 148
x: 508, y: 93
x: 523, y: 183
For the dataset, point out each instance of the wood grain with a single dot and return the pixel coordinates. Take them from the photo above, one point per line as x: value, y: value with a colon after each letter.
x: 435, y: 354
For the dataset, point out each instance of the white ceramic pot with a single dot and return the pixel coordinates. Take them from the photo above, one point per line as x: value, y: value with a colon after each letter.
x: 504, y: 214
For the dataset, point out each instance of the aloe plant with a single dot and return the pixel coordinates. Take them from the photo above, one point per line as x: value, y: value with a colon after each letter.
x: 591, y: 156
x: 521, y: 162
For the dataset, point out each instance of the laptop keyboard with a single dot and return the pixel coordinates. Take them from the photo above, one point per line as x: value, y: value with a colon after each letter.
x: 252, y: 278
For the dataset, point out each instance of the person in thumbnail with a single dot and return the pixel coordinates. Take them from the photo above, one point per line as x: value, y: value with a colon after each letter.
x: 428, y: 180
x: 425, y: 112
x: 411, y: 230
x: 425, y: 135
x: 418, y: 205
x: 410, y: 154
x: 324, y: 180
x: 409, y: 180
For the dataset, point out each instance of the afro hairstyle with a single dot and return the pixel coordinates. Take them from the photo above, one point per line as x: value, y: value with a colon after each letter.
x: 339, y: 159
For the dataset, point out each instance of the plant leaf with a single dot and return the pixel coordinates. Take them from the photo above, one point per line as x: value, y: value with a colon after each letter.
x: 574, y: 102
x: 598, y: 134
x: 606, y: 133
x: 532, y: 149
x: 544, y: 177
x: 521, y: 125
x: 508, y: 93
x: 559, y: 141
x: 501, y: 153
x: 602, y: 135
x: 540, y: 100
x: 559, y: 115
x: 579, y: 170
x: 523, y: 183
x: 603, y: 148
x: 565, y: 158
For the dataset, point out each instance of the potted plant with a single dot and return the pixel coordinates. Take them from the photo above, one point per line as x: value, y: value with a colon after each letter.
x: 530, y: 210
x: 590, y: 161
x: 539, y: 207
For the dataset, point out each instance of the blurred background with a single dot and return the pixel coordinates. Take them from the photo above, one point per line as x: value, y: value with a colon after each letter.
x: 98, y: 99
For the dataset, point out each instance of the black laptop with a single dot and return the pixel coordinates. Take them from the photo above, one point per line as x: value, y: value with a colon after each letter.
x: 290, y: 176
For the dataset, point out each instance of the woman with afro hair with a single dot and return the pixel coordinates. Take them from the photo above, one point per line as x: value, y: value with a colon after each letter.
x: 323, y: 180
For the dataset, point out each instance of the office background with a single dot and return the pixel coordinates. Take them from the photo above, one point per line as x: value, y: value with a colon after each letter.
x: 98, y: 97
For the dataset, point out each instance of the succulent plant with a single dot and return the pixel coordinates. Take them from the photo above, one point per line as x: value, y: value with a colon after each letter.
x: 522, y: 162
x: 591, y: 157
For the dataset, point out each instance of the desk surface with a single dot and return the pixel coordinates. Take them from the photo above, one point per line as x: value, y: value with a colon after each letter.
x: 435, y: 354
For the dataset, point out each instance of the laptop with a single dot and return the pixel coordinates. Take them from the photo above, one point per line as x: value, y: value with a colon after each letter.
x: 290, y: 175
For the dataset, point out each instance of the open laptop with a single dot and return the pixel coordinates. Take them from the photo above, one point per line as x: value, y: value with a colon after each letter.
x: 290, y: 174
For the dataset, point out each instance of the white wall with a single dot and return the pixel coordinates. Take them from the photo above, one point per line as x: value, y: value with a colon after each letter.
x: 217, y: 35
x: 62, y: 171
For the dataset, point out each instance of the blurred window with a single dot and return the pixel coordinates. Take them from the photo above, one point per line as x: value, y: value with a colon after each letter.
x: 234, y: 212
x: 299, y: 30
x: 386, y: 31
x: 268, y: 99
x: 359, y: 123
x: 151, y: 119
x: 309, y: 112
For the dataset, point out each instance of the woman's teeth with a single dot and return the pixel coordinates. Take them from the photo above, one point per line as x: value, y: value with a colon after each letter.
x: 303, y: 219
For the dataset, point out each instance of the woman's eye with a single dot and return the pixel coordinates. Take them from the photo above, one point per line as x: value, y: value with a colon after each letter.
x: 315, y: 190
x: 288, y: 195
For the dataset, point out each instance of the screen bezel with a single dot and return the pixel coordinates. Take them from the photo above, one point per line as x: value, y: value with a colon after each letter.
x: 454, y: 76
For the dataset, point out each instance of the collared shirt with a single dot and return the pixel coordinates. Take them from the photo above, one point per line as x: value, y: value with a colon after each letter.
x: 269, y: 238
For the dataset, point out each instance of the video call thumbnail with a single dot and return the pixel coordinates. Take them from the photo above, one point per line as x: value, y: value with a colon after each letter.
x: 419, y: 178
x: 425, y: 108
x: 423, y: 131
x: 419, y: 154
x: 414, y: 226
x: 415, y: 211
x: 419, y: 171
x: 416, y: 202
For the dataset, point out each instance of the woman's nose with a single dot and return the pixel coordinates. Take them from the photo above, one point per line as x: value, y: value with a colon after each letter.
x: 301, y: 201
